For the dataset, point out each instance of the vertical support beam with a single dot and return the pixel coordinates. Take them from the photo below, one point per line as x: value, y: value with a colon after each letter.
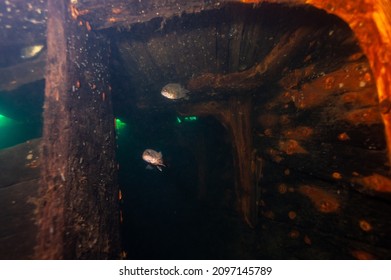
x: 238, y: 121
x: 78, y: 213
x: 235, y: 115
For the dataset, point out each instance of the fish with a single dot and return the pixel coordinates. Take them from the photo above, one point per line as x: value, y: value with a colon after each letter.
x: 175, y: 91
x: 31, y: 51
x: 154, y: 158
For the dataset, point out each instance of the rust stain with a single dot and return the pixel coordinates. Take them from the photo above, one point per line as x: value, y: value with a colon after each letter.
x: 269, y: 214
x: 362, y: 255
x: 268, y: 132
x: 366, y: 116
x: 294, y: 234
x: 268, y: 120
x: 374, y: 182
x: 285, y: 119
x: 371, y: 22
x: 363, y: 98
x: 274, y: 154
x: 119, y: 195
x: 282, y: 188
x: 74, y: 12
x: 365, y: 225
x: 113, y: 19
x: 343, y: 136
x: 307, y: 240
x: 116, y: 11
x: 88, y: 26
x: 385, y: 106
x: 298, y: 133
x: 83, y: 12
x: 336, y: 176
x: 291, y: 147
x: 323, y: 200
x: 292, y: 215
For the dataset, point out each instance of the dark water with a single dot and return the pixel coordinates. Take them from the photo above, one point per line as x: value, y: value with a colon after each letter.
x: 21, y: 114
x: 178, y: 213
x: 13, y: 132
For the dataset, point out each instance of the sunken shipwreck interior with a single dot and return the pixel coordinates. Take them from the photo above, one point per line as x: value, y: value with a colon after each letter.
x: 278, y: 151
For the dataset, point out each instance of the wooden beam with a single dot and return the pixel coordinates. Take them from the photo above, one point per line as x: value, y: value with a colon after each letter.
x: 78, y: 211
x: 235, y: 116
x: 20, y: 74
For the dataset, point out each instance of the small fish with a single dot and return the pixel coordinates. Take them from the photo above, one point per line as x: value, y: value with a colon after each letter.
x: 31, y: 51
x: 174, y: 91
x: 154, y: 158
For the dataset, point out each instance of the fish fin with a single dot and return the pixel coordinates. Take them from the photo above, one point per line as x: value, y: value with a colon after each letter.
x: 159, y: 168
x: 149, y: 167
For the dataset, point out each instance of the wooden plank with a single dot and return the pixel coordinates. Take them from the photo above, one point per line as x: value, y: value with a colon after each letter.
x: 24, y: 158
x: 78, y: 215
x: 19, y: 182
x: 324, y: 212
x: 18, y: 229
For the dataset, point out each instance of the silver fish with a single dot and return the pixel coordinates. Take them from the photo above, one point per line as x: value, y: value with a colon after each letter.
x: 174, y: 91
x: 31, y: 51
x: 154, y: 158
